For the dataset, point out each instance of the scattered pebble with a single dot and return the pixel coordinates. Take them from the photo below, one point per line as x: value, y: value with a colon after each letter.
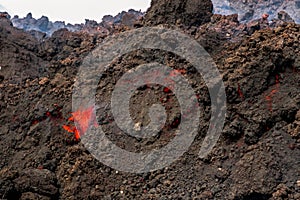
x: 44, y: 81
x: 137, y: 126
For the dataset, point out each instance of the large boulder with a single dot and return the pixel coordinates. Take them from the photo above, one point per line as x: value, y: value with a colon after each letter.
x: 186, y: 12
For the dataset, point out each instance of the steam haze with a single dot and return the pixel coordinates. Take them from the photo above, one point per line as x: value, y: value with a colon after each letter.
x: 72, y: 11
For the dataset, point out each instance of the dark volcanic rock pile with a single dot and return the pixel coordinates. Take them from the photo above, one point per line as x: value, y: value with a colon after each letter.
x: 257, y: 156
x: 187, y: 12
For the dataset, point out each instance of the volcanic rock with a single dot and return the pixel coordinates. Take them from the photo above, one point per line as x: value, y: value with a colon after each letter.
x: 44, y: 25
x: 257, y: 155
x: 249, y: 10
x: 186, y: 12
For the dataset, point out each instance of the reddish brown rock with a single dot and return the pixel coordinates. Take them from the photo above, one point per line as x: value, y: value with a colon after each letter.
x: 186, y: 12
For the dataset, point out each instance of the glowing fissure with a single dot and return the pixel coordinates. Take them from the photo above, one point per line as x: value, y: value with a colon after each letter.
x: 83, y: 118
x: 269, y: 97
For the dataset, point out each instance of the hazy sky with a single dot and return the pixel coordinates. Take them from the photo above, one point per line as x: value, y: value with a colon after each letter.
x: 73, y: 11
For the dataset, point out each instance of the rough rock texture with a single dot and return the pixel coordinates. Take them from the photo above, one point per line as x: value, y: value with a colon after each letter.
x: 257, y: 156
x: 186, y: 12
x: 17, y: 48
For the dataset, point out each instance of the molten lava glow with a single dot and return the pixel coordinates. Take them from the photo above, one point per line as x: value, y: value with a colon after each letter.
x: 35, y: 122
x: 48, y: 114
x: 72, y: 129
x: 167, y: 90
x: 84, y: 118
x: 170, y: 81
x: 176, y: 72
x: 269, y: 98
x: 240, y: 92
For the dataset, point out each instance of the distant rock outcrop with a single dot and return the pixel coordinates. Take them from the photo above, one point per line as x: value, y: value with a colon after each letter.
x: 186, y: 12
x: 44, y: 25
x: 253, y: 9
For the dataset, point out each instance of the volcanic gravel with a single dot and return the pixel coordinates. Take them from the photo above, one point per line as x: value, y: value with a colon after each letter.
x: 257, y: 156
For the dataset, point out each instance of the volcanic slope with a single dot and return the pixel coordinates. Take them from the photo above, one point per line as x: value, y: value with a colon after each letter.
x: 257, y: 156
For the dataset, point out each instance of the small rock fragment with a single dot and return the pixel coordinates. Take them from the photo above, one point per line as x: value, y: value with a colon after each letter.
x: 44, y: 81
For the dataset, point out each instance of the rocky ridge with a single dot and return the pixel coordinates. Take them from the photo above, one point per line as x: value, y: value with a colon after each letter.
x: 43, y: 24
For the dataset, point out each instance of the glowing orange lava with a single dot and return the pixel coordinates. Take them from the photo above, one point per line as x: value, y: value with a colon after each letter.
x: 176, y: 72
x: 167, y: 90
x: 240, y: 92
x: 269, y: 98
x: 83, y: 118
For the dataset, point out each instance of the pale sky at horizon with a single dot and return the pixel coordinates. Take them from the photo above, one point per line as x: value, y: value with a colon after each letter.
x: 72, y: 11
